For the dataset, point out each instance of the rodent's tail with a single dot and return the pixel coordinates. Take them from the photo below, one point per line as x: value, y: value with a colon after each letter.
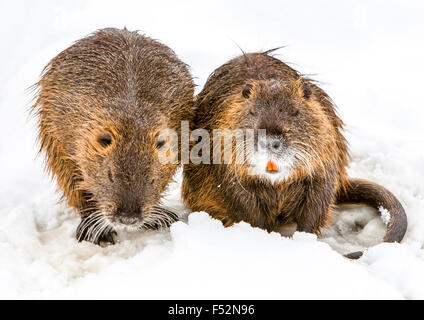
x: 378, y: 197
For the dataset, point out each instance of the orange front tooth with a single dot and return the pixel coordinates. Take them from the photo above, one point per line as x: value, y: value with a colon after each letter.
x: 271, y: 166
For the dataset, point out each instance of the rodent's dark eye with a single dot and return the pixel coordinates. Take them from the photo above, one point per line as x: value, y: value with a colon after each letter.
x: 105, y: 139
x: 295, y: 114
x: 160, y: 142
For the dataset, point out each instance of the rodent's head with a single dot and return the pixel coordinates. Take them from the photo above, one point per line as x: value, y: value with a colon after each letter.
x: 297, y: 129
x: 121, y: 175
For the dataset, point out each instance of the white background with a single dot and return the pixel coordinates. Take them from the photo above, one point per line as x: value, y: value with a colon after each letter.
x: 368, y: 56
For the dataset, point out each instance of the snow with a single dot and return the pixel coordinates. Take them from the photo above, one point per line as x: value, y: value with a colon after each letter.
x: 385, y: 215
x: 367, y: 56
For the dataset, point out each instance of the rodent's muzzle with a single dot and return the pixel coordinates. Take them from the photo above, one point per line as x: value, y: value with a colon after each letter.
x: 128, y: 213
x: 153, y: 219
x: 272, y: 144
x: 128, y: 219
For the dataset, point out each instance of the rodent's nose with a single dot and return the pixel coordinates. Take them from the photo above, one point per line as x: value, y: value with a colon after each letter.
x: 273, y: 144
x: 127, y: 219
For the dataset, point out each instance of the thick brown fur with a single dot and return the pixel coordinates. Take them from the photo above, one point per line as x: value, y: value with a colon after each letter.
x: 258, y: 91
x: 101, y: 104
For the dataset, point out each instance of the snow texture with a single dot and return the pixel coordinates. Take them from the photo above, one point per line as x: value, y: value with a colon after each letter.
x: 368, y: 57
x: 385, y: 215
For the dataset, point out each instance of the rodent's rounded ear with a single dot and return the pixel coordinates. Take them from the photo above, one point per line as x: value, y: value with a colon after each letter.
x: 247, y: 91
x: 307, y: 90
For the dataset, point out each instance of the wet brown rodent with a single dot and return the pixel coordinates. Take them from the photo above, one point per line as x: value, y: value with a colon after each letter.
x: 300, y: 175
x: 101, y: 105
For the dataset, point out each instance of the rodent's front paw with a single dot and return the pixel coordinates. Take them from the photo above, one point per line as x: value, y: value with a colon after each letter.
x: 108, y: 239
x: 94, y: 229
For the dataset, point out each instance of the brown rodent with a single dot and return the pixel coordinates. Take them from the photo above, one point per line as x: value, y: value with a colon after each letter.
x: 101, y: 105
x: 300, y: 176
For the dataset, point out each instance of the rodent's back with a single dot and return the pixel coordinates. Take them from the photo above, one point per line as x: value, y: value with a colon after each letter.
x: 113, y: 65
